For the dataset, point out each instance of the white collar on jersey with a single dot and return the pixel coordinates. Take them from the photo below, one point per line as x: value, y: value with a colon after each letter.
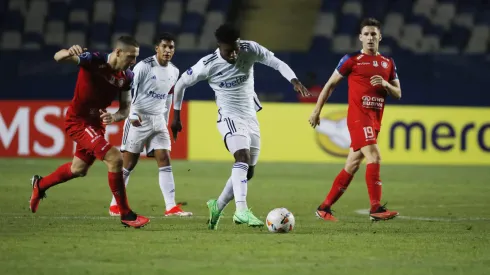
x: 159, y: 65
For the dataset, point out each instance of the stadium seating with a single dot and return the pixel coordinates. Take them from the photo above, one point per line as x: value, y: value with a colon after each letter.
x: 435, y: 43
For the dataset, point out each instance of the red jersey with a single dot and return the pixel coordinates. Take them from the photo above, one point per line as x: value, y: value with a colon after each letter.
x: 366, y: 102
x: 97, y: 86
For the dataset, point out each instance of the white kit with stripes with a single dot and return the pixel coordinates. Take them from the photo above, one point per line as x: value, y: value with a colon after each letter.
x: 233, y: 85
x: 151, y: 101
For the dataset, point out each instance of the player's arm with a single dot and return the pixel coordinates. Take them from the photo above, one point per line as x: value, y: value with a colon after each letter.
x: 327, y: 91
x: 140, y: 73
x: 196, y: 73
x: 121, y: 114
x: 392, y: 86
x: 343, y: 69
x: 71, y: 55
x: 168, y: 104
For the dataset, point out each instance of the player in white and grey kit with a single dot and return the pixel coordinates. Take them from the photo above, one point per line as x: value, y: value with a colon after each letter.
x: 229, y: 72
x: 146, y: 126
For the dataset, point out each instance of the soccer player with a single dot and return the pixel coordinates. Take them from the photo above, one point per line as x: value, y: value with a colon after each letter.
x: 371, y: 78
x: 154, y: 79
x: 229, y: 72
x: 101, y: 78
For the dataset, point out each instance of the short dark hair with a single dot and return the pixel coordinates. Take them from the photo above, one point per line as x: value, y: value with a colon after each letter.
x: 227, y: 34
x: 128, y: 40
x: 372, y: 22
x: 164, y: 36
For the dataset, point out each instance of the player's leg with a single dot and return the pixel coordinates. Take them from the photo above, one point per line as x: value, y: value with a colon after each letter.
x: 167, y: 183
x: 114, y: 162
x: 129, y: 163
x: 236, y: 137
x: 78, y: 167
x: 340, y: 184
x: 131, y: 146
x: 239, y: 180
x: 227, y: 193
x: 374, y: 184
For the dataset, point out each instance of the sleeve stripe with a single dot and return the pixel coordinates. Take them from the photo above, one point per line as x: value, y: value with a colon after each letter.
x: 134, y: 92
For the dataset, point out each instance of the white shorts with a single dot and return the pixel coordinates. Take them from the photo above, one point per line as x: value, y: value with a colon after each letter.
x: 152, y: 134
x: 240, y: 133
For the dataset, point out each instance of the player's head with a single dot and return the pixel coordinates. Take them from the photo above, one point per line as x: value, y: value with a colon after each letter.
x: 165, y: 47
x: 126, y: 51
x: 228, y: 38
x: 370, y: 34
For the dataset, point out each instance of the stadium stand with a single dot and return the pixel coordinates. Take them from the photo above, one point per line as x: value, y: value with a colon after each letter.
x: 441, y: 47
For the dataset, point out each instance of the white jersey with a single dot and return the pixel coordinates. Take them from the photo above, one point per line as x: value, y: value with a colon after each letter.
x: 233, y: 84
x: 151, y: 87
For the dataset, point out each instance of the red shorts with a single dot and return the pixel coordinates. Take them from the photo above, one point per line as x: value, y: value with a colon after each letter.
x: 362, y: 134
x: 90, y: 140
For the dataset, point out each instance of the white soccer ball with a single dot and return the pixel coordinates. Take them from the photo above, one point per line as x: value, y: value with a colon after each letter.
x: 280, y: 220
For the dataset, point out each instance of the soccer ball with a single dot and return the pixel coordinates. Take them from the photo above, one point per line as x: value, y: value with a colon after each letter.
x: 280, y: 220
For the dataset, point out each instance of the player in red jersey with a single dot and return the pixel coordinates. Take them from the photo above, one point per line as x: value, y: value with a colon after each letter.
x: 371, y: 78
x: 101, y: 78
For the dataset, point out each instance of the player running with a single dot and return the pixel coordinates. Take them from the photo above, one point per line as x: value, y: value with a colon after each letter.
x: 154, y: 79
x: 101, y: 78
x: 229, y: 72
x: 371, y: 78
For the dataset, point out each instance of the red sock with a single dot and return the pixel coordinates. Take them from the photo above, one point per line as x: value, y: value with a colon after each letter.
x: 62, y: 174
x: 339, y: 186
x: 373, y: 183
x: 116, y: 183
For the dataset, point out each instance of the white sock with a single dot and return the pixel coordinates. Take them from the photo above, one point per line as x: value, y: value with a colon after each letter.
x: 239, y: 180
x: 126, y: 174
x: 167, y: 185
x: 226, y: 195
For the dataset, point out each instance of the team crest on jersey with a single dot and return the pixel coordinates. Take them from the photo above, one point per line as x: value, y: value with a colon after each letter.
x: 189, y: 71
x: 120, y: 82
x: 112, y: 80
x: 375, y: 63
x: 384, y: 64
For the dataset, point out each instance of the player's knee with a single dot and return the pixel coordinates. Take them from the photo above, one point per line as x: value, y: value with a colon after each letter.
x: 250, y: 172
x: 78, y: 171
x: 374, y: 158
x: 242, y: 155
x: 129, y: 160
x: 352, y: 166
x: 163, y: 158
x: 114, y: 160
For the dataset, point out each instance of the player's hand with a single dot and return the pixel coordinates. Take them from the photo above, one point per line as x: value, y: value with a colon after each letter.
x: 378, y: 80
x: 314, y: 119
x: 107, y: 118
x: 300, y: 88
x: 135, y: 120
x: 76, y: 50
x: 176, y: 127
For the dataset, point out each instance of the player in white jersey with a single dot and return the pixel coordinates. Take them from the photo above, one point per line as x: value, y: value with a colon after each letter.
x: 146, y: 126
x: 229, y: 72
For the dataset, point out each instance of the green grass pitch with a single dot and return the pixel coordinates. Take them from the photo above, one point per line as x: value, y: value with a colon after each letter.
x: 444, y: 227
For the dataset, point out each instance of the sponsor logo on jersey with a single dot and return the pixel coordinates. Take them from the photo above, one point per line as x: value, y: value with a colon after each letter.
x: 373, y: 102
x: 157, y: 95
x: 237, y: 81
x: 154, y: 77
x: 363, y: 63
x: 332, y: 135
x: 189, y: 71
